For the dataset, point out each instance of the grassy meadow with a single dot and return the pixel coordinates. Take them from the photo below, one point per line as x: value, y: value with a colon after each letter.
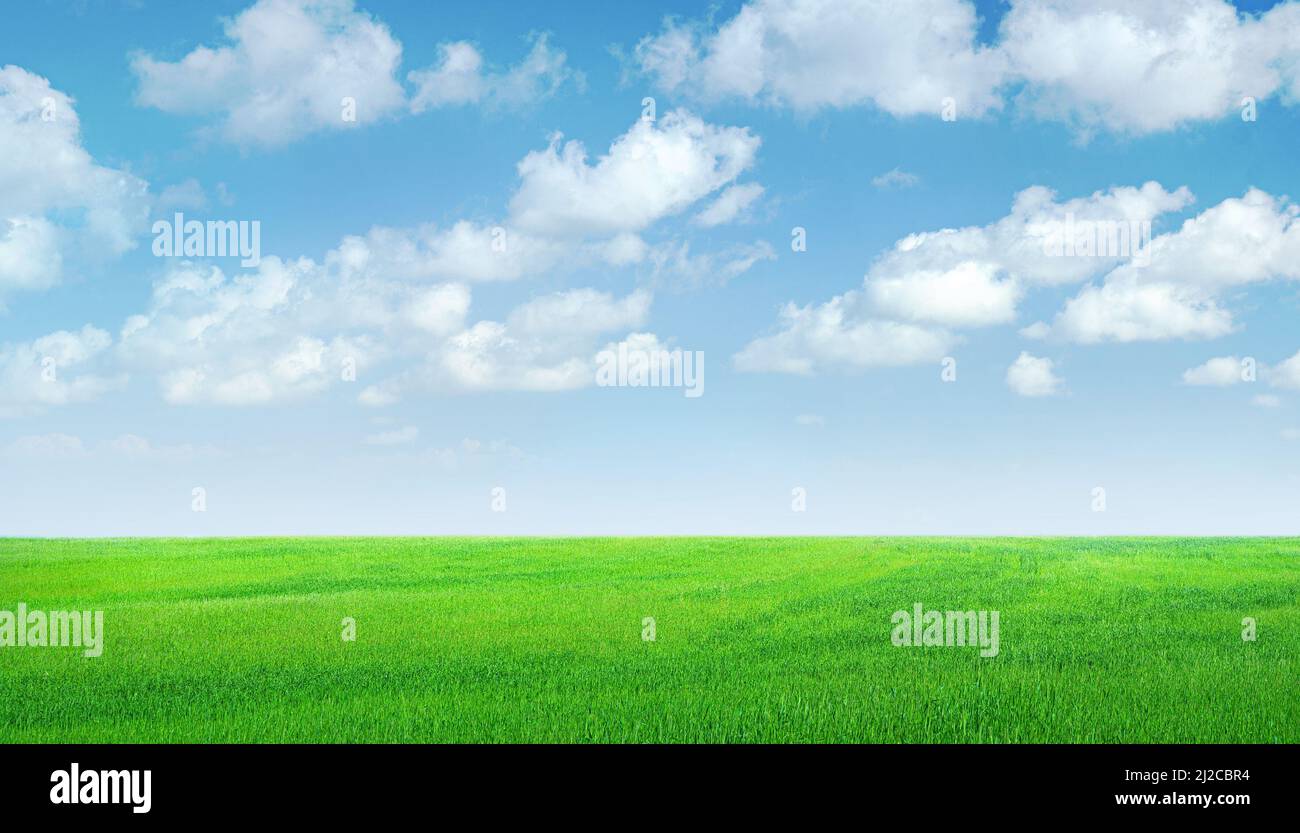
x: 756, y: 640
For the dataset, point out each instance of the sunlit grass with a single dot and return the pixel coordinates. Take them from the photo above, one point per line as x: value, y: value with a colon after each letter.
x: 1122, y: 640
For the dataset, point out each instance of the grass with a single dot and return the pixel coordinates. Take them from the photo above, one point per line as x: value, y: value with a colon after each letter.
x: 762, y: 639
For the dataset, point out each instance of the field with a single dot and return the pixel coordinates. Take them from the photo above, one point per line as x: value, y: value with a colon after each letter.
x: 763, y: 639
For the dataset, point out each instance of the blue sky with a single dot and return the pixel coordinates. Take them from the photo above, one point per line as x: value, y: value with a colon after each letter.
x: 476, y: 366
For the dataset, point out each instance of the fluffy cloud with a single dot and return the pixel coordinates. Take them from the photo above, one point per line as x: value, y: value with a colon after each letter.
x: 807, y: 54
x: 975, y: 276
x: 817, y: 337
x: 1125, y: 310
x: 1096, y: 64
x: 732, y: 203
x: 1176, y: 295
x: 1146, y: 67
x: 655, y: 170
x: 1286, y: 374
x: 968, y: 294
x: 284, y: 73
x: 46, y: 176
x: 1241, y: 240
x: 286, y: 330
x: 56, y: 369
x: 460, y: 78
x: 547, y: 344
x: 293, y: 328
x: 931, y: 283
x: 1217, y: 372
x: 1033, y: 376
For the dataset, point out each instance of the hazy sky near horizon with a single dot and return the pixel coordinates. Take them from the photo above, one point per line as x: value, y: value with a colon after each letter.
x: 848, y: 208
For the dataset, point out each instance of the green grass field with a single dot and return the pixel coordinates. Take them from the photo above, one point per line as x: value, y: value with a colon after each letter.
x: 763, y: 639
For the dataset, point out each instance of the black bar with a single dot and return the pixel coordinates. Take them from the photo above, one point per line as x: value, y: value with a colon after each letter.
x: 368, y: 782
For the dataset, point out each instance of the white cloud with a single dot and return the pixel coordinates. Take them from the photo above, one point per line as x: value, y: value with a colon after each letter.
x: 1251, y: 239
x: 1291, y: 434
x: 655, y: 170
x: 674, y: 264
x: 1286, y: 374
x: 546, y: 344
x: 139, y: 448
x: 895, y: 178
x: 46, y: 178
x: 931, y: 283
x: 56, y: 369
x: 283, y: 331
x: 136, y: 448
x: 815, y: 420
x: 976, y: 276
x: 1146, y: 67
x: 1125, y: 310
x: 814, y: 338
x: 731, y: 204
x: 188, y: 194
x: 470, y: 451
x: 464, y: 251
x: 1217, y: 372
x: 284, y: 73
x: 290, y: 329
x: 807, y: 54
x: 1266, y: 400
x: 1241, y: 240
x: 399, y: 436
x: 1033, y: 376
x: 46, y: 446
x: 1128, y: 67
x: 579, y: 312
x: 460, y: 78
x: 967, y: 295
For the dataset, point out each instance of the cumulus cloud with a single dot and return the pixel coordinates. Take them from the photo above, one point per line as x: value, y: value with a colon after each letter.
x: 460, y: 77
x: 1125, y: 310
x: 57, y: 369
x: 1217, y: 372
x: 1033, y: 376
x: 967, y: 294
x: 1177, y: 294
x: 929, y: 284
x: 1146, y: 67
x: 294, y: 328
x: 46, y: 179
x: 286, y: 330
x: 818, y: 337
x: 546, y: 344
x: 808, y: 54
x: 1132, y: 68
x: 284, y: 72
x: 1285, y: 374
x: 654, y: 170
